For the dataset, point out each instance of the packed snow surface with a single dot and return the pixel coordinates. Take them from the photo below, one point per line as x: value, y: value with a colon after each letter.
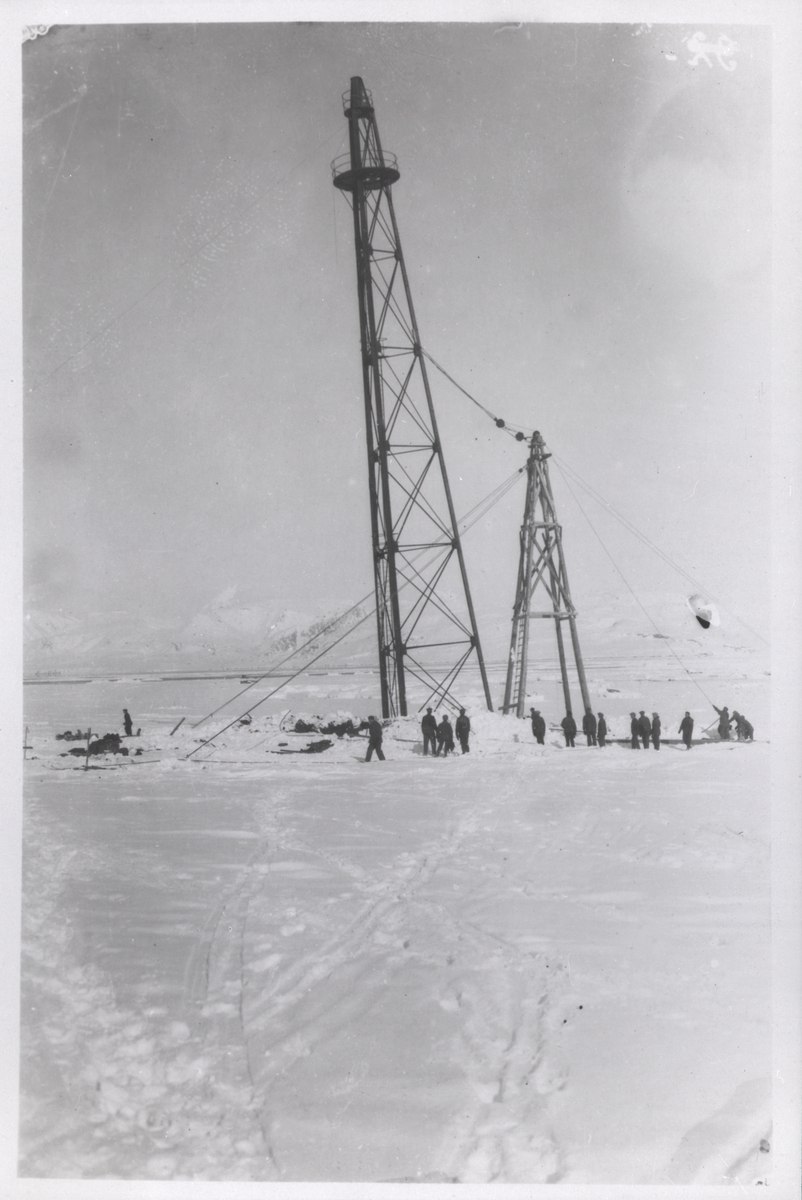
x: 524, y: 964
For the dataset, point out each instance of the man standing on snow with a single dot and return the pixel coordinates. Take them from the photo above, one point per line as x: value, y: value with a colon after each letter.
x: 374, y: 739
x: 569, y: 729
x: 656, y: 730
x: 463, y: 730
x: 429, y: 730
x: 128, y: 724
x: 538, y: 725
x: 589, y: 727
x: 645, y: 728
x: 747, y: 732
x: 686, y: 729
x: 601, y: 730
x: 634, y: 729
x: 445, y: 737
x: 724, y: 723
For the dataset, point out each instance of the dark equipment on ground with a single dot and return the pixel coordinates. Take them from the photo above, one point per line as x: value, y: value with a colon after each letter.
x: 339, y: 728
x: 312, y: 748
x: 108, y: 744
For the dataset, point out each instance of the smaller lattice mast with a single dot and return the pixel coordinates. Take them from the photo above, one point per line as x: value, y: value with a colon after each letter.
x: 541, y: 566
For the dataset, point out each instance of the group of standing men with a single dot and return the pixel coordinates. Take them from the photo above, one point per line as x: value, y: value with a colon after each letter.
x: 594, y: 729
x: 440, y: 738
x: 643, y: 730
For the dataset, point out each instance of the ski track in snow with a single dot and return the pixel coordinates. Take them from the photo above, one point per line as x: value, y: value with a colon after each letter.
x: 344, y: 971
x: 316, y: 997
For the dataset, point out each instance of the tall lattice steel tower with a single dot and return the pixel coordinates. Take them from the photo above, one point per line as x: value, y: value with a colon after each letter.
x: 542, y: 564
x: 426, y: 622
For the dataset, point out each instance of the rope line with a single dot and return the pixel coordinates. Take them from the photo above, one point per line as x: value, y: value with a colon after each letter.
x: 468, y: 521
x: 663, y: 636
x: 591, y: 491
x: 278, y: 665
x: 512, y: 430
x: 300, y: 671
x: 498, y: 492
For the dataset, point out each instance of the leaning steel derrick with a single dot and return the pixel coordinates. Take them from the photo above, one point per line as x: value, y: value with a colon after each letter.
x: 425, y: 618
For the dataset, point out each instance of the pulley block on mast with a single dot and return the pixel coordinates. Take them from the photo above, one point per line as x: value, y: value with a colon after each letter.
x: 425, y: 618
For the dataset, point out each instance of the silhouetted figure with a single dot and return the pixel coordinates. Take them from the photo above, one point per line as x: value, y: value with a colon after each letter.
x: 538, y: 725
x: 645, y: 729
x: 656, y: 727
x: 569, y: 729
x: 128, y: 724
x: 634, y: 729
x: 429, y: 730
x: 462, y: 729
x: 724, y: 723
x: 445, y: 737
x: 374, y: 739
x: 601, y: 730
x: 589, y: 727
x: 686, y: 729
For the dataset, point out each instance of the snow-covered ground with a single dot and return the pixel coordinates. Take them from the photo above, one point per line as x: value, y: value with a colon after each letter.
x: 526, y: 964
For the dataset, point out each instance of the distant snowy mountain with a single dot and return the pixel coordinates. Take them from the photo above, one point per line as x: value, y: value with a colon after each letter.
x: 232, y: 635
x: 223, y: 636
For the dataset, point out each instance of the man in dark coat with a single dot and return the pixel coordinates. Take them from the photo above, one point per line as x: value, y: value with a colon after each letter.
x: 569, y: 728
x: 589, y: 727
x: 538, y: 725
x: 645, y: 727
x: 634, y: 729
x: 656, y: 730
x: 128, y: 724
x: 429, y: 730
x: 686, y: 729
x: 601, y: 730
x: 462, y: 729
x: 724, y: 723
x: 374, y: 739
x: 445, y: 737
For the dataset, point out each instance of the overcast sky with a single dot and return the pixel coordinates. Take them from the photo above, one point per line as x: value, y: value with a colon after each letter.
x: 584, y: 211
